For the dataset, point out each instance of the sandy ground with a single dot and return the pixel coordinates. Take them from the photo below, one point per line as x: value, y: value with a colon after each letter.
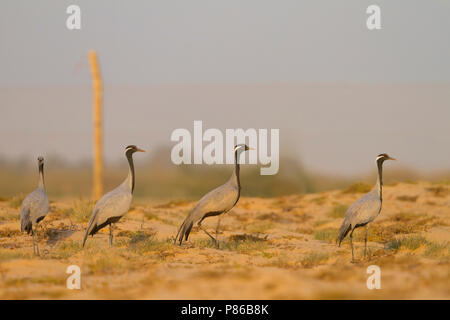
x: 275, y: 248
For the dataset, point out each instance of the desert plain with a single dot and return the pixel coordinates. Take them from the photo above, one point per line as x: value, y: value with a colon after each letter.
x: 270, y: 248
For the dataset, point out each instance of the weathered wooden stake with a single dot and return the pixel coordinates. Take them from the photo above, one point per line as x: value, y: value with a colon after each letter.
x: 98, y: 140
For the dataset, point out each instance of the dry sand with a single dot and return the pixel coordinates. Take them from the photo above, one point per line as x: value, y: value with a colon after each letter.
x: 274, y: 248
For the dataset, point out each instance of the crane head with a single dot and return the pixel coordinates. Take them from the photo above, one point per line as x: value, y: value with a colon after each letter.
x: 384, y: 156
x: 133, y: 149
x: 242, y: 147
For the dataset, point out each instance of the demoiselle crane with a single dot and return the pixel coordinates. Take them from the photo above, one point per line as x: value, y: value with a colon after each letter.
x: 366, y: 209
x: 34, y: 208
x: 115, y: 204
x: 216, y: 202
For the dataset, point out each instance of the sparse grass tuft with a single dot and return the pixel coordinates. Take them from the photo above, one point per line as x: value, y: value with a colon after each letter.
x: 245, y: 244
x: 247, y: 237
x: 328, y: 234
x: 411, y: 243
x: 282, y: 261
x: 172, y: 204
x: 260, y: 227
x: 273, y: 217
x: 244, y: 247
x: 142, y: 243
x: 49, y: 280
x: 314, y: 258
x: 268, y: 255
x: 109, y: 262
x: 338, y: 211
x: 12, y: 254
x: 67, y: 249
x: 433, y: 250
x: 304, y: 230
x: 150, y: 215
x: 359, y: 187
x: 9, y: 215
x: 407, y: 198
x: 286, y: 261
x: 320, y: 222
x: 437, y: 250
x: 45, y: 280
x: 101, y: 265
x: 319, y: 200
x: 8, y: 233
x: 394, y: 244
x: 140, y: 236
x: 16, y: 201
x: 278, y: 202
x: 81, y: 210
x: 438, y: 191
x: 406, y: 217
x: 401, y: 223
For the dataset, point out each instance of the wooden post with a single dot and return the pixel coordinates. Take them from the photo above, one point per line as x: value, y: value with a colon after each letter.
x: 97, y: 190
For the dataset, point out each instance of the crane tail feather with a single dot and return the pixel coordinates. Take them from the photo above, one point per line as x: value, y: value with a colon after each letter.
x: 343, y: 231
x: 86, y: 235
x: 25, y: 221
x: 184, y: 230
x: 90, y: 228
x: 179, y: 229
x: 188, y: 231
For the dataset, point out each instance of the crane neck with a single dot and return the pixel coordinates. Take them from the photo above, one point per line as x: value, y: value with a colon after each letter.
x: 379, y: 185
x: 130, y: 178
x: 41, y: 176
x: 235, y: 175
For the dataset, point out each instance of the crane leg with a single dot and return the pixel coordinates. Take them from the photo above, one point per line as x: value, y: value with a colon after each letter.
x: 217, y: 233
x: 35, y: 242
x: 111, y: 235
x: 212, y: 238
x: 351, y: 244
x: 365, y: 241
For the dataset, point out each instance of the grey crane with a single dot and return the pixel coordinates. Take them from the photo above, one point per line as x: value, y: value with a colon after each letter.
x: 115, y: 204
x: 34, y: 208
x: 366, y: 209
x: 216, y: 202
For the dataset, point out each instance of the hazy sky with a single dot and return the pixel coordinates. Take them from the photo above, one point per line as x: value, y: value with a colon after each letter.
x: 233, y: 41
x: 339, y: 93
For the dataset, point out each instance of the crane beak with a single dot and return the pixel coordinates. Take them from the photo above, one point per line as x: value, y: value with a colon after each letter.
x: 251, y: 148
x: 390, y: 158
x: 140, y: 150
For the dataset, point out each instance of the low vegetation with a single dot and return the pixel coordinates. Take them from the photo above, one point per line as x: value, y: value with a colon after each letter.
x: 439, y: 191
x: 16, y: 201
x: 359, y: 187
x: 81, y: 210
x: 417, y: 242
x: 407, y: 198
x: 328, y: 234
x: 338, y: 211
x: 409, y: 242
x: 312, y: 259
